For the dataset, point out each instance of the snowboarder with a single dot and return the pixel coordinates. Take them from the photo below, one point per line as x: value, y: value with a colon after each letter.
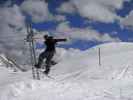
x: 48, y: 54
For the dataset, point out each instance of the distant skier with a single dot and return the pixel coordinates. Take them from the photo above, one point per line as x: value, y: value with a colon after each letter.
x: 49, y: 52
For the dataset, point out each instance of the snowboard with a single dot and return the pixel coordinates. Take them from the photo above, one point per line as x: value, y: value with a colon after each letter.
x: 41, y: 71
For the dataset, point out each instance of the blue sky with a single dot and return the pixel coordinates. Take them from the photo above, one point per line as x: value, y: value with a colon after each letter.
x: 76, y: 20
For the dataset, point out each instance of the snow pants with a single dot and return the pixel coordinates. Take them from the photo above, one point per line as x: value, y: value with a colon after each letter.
x: 48, y: 55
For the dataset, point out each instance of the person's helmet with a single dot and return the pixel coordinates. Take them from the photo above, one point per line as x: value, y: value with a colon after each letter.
x: 45, y: 36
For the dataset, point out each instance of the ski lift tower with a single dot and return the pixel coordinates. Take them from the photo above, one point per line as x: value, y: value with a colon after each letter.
x: 30, y: 40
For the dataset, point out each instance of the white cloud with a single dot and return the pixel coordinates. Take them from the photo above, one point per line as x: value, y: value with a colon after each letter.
x: 12, y: 32
x: 59, y: 18
x: 37, y: 9
x: 128, y: 20
x: 84, y: 34
x: 11, y: 21
x: 64, y: 26
x: 97, y: 10
x: 67, y: 7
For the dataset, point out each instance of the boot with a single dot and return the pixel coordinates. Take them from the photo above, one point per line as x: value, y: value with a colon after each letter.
x: 37, y: 66
x: 46, y: 72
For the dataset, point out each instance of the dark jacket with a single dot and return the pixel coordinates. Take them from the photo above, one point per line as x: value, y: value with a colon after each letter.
x: 50, y: 43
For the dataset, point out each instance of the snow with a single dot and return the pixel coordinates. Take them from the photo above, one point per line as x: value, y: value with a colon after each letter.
x: 77, y: 76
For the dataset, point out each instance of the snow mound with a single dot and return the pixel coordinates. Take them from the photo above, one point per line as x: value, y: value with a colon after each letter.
x: 48, y: 90
x: 116, y: 62
x: 78, y: 76
x: 52, y: 90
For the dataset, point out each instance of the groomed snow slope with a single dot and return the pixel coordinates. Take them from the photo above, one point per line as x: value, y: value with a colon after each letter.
x: 78, y: 77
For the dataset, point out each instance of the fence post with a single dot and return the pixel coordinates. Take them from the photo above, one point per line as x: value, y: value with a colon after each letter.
x: 99, y: 56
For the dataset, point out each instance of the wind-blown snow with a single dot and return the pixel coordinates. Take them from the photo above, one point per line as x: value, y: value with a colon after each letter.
x: 77, y: 76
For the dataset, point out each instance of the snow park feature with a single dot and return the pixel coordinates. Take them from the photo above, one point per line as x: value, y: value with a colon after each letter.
x: 77, y: 76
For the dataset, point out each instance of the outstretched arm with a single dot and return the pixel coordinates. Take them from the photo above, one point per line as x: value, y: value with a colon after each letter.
x: 60, y: 40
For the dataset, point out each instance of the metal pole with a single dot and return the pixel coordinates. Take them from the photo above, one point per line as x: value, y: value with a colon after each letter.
x: 99, y: 56
x: 34, y: 58
x: 29, y: 38
x: 33, y: 70
x: 32, y: 51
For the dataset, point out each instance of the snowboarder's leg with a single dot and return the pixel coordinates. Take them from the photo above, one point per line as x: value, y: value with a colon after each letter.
x: 53, y: 62
x: 40, y: 59
x: 48, y: 62
x: 47, y: 70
